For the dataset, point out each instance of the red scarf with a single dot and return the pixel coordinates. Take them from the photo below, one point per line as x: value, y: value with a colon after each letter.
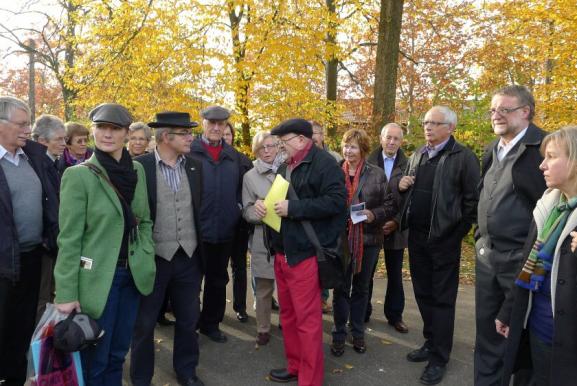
x: 355, y: 231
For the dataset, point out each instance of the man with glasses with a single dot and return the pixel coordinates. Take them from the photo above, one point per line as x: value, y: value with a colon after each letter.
x: 440, y: 207
x: 511, y: 184
x: 220, y: 214
x: 174, y: 195
x: 319, y: 184
x: 28, y: 229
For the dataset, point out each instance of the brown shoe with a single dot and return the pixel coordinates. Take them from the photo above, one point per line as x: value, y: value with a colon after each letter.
x: 262, y: 338
x: 400, y: 326
x: 326, y: 307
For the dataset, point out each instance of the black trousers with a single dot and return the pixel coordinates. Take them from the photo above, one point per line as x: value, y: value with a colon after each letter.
x: 395, y: 295
x: 180, y: 278
x: 215, y: 281
x: 18, y: 305
x: 435, y: 275
x: 238, y: 264
x: 495, y: 273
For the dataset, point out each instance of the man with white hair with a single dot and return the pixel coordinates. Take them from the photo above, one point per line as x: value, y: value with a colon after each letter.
x: 440, y: 207
x: 28, y: 229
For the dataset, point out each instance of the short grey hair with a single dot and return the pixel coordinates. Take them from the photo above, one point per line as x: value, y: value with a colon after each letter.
x: 450, y: 115
x: 258, y: 139
x: 389, y: 125
x: 159, y: 131
x: 46, y: 125
x: 9, y: 104
x: 137, y: 126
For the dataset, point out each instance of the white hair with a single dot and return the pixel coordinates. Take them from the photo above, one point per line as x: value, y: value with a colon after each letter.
x: 450, y: 115
x: 45, y: 127
x: 389, y: 125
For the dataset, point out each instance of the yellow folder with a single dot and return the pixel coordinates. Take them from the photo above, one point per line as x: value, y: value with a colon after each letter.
x: 277, y: 192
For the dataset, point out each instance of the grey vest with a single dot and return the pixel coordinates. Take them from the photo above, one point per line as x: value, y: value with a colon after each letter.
x: 174, y: 225
x: 502, y: 216
x: 26, y: 193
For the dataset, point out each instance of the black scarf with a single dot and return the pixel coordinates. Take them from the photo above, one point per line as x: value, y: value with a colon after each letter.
x: 123, y: 176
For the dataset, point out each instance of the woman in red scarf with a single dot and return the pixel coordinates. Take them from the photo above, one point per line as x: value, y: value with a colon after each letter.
x: 366, y: 192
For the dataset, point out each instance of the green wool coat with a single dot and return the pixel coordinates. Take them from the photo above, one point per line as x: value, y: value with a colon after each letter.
x: 91, y: 227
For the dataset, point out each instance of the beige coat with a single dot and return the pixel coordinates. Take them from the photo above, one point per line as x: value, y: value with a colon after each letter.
x: 256, y: 185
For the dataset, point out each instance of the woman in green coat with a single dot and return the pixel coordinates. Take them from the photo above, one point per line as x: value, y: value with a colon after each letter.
x: 106, y: 253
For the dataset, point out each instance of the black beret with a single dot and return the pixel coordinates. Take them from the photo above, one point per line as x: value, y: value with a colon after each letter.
x: 296, y: 125
x: 112, y: 113
x: 215, y: 113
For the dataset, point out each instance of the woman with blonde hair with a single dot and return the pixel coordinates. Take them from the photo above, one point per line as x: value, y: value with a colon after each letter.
x: 540, y: 318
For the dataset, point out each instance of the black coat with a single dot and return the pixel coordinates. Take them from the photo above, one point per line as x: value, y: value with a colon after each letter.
x: 455, y: 194
x: 194, y: 174
x: 528, y: 181
x: 394, y: 200
x: 564, y: 349
x: 221, y: 207
x: 9, y: 247
x: 320, y: 185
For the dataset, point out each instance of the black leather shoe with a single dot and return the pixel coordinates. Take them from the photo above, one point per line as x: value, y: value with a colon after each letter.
x: 433, y: 374
x: 192, y: 381
x: 215, y: 335
x: 242, y: 316
x: 338, y: 348
x: 282, y: 376
x: 419, y: 355
x: 164, y: 321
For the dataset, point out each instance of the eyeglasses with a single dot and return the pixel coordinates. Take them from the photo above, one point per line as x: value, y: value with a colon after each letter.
x: 180, y: 133
x: 134, y: 139
x: 22, y: 125
x: 434, y: 123
x: 503, y: 110
x: 269, y: 147
x: 285, y: 141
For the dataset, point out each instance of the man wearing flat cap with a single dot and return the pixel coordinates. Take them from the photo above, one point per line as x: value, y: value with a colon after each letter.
x: 320, y: 186
x: 220, y: 213
x: 174, y: 194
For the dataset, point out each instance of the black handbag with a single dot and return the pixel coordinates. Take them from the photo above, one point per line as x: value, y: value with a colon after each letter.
x: 332, y: 262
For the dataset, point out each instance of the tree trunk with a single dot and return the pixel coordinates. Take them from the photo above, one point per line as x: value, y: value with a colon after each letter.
x: 387, y: 62
x: 32, y: 82
x: 331, y: 69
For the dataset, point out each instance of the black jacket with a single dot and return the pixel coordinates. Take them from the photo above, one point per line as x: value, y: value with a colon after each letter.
x: 564, y: 349
x: 320, y: 185
x: 455, y: 194
x: 9, y: 247
x: 394, y: 200
x: 220, y: 211
x: 194, y: 174
x: 528, y: 181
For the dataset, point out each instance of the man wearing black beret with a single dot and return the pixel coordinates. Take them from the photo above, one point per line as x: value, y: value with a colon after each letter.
x: 320, y: 186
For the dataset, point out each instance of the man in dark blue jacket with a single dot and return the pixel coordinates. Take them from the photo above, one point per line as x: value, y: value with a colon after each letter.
x: 220, y: 213
x: 28, y: 228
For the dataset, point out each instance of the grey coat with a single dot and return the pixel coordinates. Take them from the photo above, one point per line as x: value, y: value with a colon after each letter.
x: 255, y: 186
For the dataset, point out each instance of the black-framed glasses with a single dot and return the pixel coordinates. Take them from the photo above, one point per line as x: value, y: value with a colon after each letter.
x: 504, y: 110
x: 285, y: 141
x: 434, y: 123
x: 181, y: 133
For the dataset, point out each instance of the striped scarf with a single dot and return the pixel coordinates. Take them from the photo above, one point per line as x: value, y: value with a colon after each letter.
x: 355, y: 233
x: 540, y: 259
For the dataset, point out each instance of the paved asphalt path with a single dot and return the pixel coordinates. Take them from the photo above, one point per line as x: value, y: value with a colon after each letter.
x: 240, y: 363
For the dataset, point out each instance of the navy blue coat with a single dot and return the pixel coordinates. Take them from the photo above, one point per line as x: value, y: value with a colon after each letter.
x: 9, y: 247
x: 220, y: 209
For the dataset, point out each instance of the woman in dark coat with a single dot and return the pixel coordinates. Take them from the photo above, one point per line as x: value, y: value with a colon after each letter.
x: 540, y: 320
x: 365, y: 184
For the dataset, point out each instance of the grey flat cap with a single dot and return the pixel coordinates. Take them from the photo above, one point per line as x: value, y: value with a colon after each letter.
x: 112, y: 113
x: 215, y: 113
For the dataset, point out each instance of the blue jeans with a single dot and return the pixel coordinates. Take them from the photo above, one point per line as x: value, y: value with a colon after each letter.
x: 354, y: 302
x: 102, y: 364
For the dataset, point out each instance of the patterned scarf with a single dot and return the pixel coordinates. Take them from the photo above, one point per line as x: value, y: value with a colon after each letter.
x: 355, y: 230
x: 71, y: 160
x: 540, y: 259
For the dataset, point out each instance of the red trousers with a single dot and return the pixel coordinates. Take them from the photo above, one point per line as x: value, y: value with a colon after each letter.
x: 299, y: 296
